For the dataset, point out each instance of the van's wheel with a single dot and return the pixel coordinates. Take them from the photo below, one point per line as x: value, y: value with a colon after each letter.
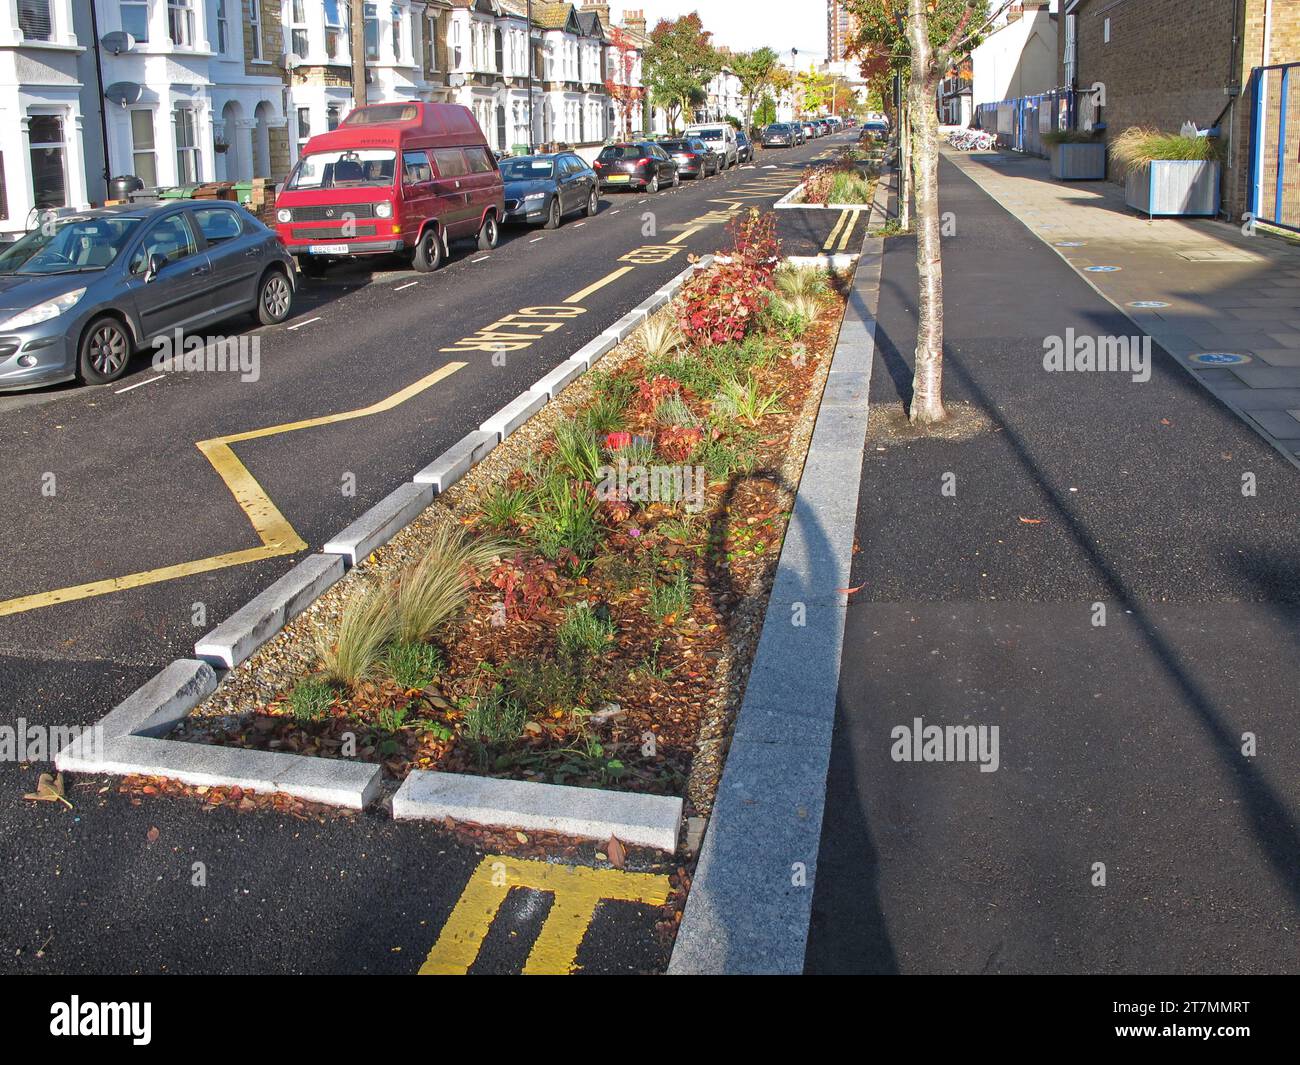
x: 490, y: 233
x: 274, y: 298
x: 593, y: 203
x: 652, y: 186
x: 429, y: 251
x: 553, y: 214
x: 105, y: 350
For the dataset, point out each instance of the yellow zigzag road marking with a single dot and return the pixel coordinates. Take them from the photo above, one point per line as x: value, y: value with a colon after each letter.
x: 277, y: 535
x: 577, y: 891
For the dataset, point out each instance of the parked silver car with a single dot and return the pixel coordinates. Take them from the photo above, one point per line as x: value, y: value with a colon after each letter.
x: 81, y: 292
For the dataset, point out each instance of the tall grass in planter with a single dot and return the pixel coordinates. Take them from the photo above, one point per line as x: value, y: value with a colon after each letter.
x: 1168, y: 173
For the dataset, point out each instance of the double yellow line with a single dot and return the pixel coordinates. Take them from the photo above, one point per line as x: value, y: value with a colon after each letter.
x: 846, y: 223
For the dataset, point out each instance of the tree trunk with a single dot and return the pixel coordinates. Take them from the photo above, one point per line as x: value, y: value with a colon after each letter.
x: 357, y: 44
x: 927, y: 380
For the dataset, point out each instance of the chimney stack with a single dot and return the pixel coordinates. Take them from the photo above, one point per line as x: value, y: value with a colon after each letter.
x: 600, y: 7
x: 634, y: 20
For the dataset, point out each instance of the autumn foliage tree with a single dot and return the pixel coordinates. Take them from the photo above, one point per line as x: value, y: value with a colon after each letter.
x: 679, y: 62
x: 620, y: 84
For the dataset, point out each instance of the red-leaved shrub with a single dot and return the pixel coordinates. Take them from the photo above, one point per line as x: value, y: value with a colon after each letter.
x: 718, y: 305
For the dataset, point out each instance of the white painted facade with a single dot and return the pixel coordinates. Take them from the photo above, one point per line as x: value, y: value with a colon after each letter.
x: 41, y: 120
x: 1017, y: 59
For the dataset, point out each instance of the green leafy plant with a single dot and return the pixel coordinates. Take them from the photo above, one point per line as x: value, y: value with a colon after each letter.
x: 566, y: 518
x: 505, y: 507
x: 670, y: 599
x: 742, y: 400
x: 652, y: 667
x: 412, y: 665
x: 311, y: 699
x: 495, y: 716
x: 1139, y: 146
x: 433, y: 591
x: 722, y: 458
x: 392, y: 718
x: 584, y: 633
x: 368, y: 622
x: 577, y: 450
x: 674, y: 411
x: 605, y: 414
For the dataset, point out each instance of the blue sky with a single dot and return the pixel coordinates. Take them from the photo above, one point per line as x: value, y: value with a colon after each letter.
x: 746, y: 24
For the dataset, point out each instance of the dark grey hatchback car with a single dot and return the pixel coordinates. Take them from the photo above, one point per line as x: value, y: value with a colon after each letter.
x: 80, y: 293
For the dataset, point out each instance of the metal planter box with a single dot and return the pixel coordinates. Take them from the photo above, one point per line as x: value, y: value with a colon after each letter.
x: 1079, y: 162
x: 1165, y: 187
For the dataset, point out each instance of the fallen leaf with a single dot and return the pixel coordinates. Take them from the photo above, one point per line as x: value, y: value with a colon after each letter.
x: 49, y: 789
x: 1031, y: 521
x: 616, y: 853
x: 152, y: 834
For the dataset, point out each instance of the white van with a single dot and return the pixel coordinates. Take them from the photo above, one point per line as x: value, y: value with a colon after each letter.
x: 720, y: 136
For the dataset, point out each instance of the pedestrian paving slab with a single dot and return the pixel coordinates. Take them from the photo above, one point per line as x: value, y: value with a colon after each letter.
x: 1221, y: 289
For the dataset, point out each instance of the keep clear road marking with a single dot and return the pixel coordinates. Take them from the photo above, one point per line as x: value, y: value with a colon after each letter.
x: 578, y: 297
x: 277, y: 535
x: 299, y: 325
x: 576, y: 891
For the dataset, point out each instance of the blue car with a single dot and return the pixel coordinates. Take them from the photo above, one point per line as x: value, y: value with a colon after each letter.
x: 82, y: 292
x: 542, y: 189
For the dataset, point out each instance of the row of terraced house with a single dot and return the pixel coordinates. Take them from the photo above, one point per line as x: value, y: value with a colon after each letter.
x: 180, y: 92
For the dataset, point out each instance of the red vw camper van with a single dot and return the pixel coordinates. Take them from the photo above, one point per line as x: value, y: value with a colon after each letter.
x: 400, y: 177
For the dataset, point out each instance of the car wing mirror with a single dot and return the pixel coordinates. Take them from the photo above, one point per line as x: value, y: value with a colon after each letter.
x: 154, y: 267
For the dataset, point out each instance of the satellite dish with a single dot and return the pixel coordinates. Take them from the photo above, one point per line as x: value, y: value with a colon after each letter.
x: 123, y: 93
x: 117, y: 42
x: 291, y: 60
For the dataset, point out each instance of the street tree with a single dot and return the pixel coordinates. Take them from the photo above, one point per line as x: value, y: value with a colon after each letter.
x: 922, y: 38
x: 679, y: 62
x: 754, y: 69
x: 620, y: 84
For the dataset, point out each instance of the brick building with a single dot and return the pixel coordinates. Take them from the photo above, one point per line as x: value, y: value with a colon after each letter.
x: 1165, y: 62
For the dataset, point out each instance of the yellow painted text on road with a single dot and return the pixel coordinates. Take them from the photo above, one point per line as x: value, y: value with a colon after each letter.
x: 517, y: 331
x: 576, y: 892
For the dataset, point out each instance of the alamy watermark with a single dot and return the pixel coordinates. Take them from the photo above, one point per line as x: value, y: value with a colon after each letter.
x: 1073, y: 353
x: 635, y: 483
x: 219, y: 354
x: 919, y: 742
x: 21, y: 742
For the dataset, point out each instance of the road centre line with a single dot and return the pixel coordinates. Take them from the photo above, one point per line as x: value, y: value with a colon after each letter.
x: 299, y: 325
x: 409, y: 284
x: 582, y: 294
x: 682, y: 236
x: 481, y: 259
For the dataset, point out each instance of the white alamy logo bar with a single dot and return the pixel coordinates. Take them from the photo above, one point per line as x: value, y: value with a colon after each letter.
x: 75, y: 1017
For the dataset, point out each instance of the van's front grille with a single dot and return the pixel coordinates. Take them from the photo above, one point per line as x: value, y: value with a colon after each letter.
x: 333, y: 232
x: 333, y: 212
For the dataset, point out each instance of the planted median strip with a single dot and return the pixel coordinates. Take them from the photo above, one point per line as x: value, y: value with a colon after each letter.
x: 578, y: 605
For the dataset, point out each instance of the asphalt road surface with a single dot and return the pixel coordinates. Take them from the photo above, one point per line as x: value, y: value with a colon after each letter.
x: 102, y: 484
